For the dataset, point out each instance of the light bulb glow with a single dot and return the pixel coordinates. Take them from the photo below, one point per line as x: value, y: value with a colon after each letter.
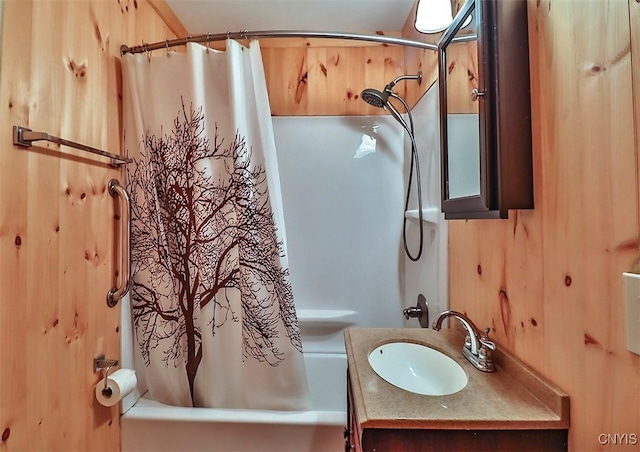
x: 433, y: 16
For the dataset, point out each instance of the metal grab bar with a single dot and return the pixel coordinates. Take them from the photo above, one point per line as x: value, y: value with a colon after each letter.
x: 24, y: 137
x: 115, y: 294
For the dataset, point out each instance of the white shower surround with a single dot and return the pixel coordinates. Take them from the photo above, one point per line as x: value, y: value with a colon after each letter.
x: 428, y: 276
x: 344, y: 221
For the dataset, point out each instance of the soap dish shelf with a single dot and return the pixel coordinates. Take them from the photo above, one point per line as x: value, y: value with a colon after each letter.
x: 430, y: 215
x: 326, y: 318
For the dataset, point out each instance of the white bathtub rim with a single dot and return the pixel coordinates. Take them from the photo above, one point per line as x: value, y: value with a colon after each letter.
x: 151, y: 410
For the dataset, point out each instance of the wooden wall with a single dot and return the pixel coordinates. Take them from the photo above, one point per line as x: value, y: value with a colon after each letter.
x: 60, y: 74
x: 549, y: 281
x: 462, y: 77
x: 423, y: 60
x: 325, y: 77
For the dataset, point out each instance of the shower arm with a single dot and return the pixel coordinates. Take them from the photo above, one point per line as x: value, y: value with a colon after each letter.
x: 417, y: 77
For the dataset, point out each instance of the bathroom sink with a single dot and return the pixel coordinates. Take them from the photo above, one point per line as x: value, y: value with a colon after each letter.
x: 417, y: 368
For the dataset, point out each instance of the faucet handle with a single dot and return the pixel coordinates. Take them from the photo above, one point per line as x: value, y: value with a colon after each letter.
x: 484, y: 340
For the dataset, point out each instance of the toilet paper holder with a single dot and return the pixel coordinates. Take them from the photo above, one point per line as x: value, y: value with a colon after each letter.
x: 100, y: 363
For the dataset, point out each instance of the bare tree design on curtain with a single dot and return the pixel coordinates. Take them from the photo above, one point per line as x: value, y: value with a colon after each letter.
x: 200, y: 235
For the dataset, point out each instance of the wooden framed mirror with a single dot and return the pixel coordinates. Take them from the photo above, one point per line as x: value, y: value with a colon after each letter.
x: 485, y: 123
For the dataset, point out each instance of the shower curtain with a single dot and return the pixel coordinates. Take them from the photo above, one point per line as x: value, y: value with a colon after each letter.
x: 212, y: 306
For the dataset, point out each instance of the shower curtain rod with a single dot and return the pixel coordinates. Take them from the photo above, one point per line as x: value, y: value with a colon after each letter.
x: 209, y: 37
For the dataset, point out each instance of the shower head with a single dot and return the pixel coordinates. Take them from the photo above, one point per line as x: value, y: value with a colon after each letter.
x: 380, y: 99
x: 375, y: 97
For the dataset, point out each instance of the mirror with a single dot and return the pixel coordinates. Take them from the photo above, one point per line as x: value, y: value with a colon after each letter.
x: 485, y: 122
x: 460, y: 135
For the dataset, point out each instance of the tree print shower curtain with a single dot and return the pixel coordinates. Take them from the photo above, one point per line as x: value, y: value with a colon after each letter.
x: 213, y: 311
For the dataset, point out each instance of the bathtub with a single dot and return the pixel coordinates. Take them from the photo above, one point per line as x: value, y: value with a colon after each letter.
x: 150, y: 425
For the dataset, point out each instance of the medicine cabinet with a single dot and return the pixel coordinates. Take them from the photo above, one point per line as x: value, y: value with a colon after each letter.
x: 485, y: 106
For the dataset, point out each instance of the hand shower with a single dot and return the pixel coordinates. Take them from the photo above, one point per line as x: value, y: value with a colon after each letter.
x: 375, y: 97
x: 380, y: 99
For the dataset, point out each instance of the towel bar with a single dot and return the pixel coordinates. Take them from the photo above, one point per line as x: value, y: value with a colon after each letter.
x: 24, y: 137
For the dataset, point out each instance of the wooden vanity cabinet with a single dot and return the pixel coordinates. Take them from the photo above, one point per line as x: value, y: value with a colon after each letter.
x: 361, y: 438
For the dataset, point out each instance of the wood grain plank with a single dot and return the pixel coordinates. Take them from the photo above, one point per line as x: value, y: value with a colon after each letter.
x: 357, y: 77
x: 286, y: 73
x: 60, y: 75
x: 634, y: 25
x: 394, y: 67
x: 318, y: 82
x: 165, y: 13
x: 326, y: 42
x: 14, y: 241
x: 42, y: 298
x: 379, y: 66
x: 562, y: 262
x: 328, y: 81
x: 462, y: 77
x: 337, y: 74
x: 425, y: 61
x: 591, y: 77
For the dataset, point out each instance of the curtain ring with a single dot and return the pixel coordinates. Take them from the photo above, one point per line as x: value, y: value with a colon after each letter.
x: 208, y: 41
x: 228, y: 34
x: 244, y: 34
x: 166, y: 45
x: 145, y: 49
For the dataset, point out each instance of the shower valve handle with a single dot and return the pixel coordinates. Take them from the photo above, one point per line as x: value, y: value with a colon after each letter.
x: 420, y: 311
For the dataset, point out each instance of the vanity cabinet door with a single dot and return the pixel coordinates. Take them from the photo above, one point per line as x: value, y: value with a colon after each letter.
x: 485, y: 123
x: 353, y: 432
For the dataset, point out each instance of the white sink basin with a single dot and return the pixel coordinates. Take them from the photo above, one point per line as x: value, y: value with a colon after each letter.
x: 418, y: 368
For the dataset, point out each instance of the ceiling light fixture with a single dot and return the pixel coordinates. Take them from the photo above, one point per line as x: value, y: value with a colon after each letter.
x: 433, y: 16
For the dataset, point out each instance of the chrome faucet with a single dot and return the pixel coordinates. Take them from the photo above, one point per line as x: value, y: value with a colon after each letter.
x: 477, y: 348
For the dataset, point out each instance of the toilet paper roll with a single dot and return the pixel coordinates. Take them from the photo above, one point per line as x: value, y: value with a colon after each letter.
x: 119, y: 384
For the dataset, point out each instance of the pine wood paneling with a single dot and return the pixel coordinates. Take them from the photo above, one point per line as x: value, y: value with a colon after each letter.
x: 548, y: 281
x: 422, y: 60
x: 168, y: 16
x: 328, y: 80
x: 324, y: 42
x: 462, y: 77
x: 324, y: 77
x: 286, y: 73
x: 60, y: 74
x: 634, y: 9
x: 14, y: 96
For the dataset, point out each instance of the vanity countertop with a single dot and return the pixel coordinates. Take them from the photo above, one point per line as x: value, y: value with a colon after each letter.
x: 515, y: 397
